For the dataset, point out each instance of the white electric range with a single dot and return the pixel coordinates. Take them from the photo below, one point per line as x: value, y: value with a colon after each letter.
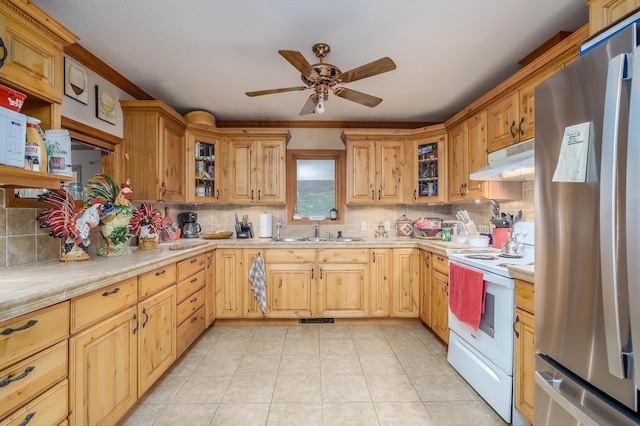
x: 484, y: 357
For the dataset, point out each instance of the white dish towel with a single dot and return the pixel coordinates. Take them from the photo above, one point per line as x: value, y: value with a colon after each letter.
x: 258, y: 279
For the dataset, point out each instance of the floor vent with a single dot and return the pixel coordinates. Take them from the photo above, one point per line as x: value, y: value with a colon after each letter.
x: 316, y: 321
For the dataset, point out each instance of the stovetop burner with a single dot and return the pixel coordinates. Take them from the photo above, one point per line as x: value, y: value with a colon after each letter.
x: 481, y: 256
x: 511, y: 256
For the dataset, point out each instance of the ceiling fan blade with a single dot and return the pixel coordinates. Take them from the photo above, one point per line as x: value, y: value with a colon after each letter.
x: 380, y: 66
x: 296, y: 59
x: 361, y: 98
x: 310, y: 106
x: 270, y: 91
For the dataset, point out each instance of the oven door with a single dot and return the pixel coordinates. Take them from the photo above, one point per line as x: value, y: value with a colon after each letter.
x: 494, y: 337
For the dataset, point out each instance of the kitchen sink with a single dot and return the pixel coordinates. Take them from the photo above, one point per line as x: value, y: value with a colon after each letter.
x: 316, y: 239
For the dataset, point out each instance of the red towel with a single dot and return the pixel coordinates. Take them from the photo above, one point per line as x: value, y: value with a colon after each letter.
x: 466, y: 294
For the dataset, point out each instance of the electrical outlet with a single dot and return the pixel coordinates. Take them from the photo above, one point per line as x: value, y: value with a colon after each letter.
x: 387, y: 226
x: 363, y: 226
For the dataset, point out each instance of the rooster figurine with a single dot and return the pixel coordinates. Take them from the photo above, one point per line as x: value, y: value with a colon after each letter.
x: 70, y: 223
x: 146, y: 224
x: 116, y: 213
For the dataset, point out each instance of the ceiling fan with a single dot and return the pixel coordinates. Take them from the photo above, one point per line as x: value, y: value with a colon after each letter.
x: 323, y: 77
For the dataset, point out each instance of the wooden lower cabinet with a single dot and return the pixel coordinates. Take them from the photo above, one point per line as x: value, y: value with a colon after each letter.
x: 291, y: 280
x: 49, y: 408
x: 343, y: 279
x: 425, y: 287
x: 524, y: 350
x: 381, y: 276
x: 406, y: 285
x: 103, y: 370
x: 210, y: 285
x: 156, y: 337
x: 250, y: 306
x: 228, y: 273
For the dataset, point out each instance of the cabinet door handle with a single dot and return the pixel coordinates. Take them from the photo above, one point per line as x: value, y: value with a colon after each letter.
x: 374, y: 257
x: 513, y: 134
x: 320, y: 273
x: 415, y: 194
x: 373, y: 194
x: 8, y: 331
x: 312, y: 273
x: 135, y: 317
x: 28, y: 418
x: 515, y: 323
x: 115, y: 290
x: 259, y: 195
x: 217, y: 194
x: 164, y: 189
x: 27, y: 370
x: 446, y: 289
x: 252, y: 195
x: 4, y: 53
x: 164, y: 271
x: 146, y: 320
x: 379, y: 194
x: 520, y: 126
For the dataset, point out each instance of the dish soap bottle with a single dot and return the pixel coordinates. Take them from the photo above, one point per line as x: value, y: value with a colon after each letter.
x: 35, y: 152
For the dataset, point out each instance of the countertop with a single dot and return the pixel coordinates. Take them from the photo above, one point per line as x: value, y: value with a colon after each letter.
x: 521, y: 272
x: 26, y: 288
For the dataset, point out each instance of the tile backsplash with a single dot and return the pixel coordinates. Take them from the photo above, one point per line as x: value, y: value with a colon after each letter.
x: 22, y: 241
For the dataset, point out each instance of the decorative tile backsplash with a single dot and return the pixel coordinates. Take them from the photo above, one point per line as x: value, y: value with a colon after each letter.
x: 22, y: 241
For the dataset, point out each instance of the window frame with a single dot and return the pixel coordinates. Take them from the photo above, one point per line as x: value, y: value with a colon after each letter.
x: 339, y: 156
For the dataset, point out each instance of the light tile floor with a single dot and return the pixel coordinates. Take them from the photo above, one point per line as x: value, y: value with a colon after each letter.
x: 313, y: 375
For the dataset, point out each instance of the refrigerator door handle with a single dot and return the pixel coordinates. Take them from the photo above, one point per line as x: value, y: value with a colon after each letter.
x: 608, y: 224
x: 553, y: 388
x: 633, y: 202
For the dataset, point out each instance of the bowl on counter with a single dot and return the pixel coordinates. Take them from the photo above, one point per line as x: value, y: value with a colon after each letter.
x: 478, y: 241
x: 459, y: 239
x: 216, y: 235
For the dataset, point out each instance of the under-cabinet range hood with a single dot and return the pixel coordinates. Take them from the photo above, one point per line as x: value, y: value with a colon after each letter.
x: 514, y: 163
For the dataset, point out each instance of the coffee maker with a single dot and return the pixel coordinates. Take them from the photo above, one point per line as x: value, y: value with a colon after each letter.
x: 189, y: 226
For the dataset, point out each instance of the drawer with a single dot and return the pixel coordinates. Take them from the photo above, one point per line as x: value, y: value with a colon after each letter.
x: 190, y: 305
x: 343, y: 256
x: 156, y: 280
x: 90, y: 308
x: 49, y: 408
x: 524, y: 296
x: 189, y: 286
x: 189, y: 331
x: 290, y: 256
x: 28, y: 378
x: 440, y: 263
x: 190, y: 266
x: 25, y: 335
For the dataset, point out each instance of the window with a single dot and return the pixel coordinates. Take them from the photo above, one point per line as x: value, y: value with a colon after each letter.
x: 315, y: 184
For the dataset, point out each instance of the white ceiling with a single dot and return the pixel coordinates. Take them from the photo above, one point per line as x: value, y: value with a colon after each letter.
x: 205, y: 54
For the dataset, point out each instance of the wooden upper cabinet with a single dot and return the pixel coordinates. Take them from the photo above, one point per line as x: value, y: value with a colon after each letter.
x: 204, y: 164
x: 375, y: 164
x: 457, y: 156
x: 603, y: 13
x: 256, y: 167
x: 511, y: 119
x: 427, y: 160
x: 34, y: 44
x: 155, y: 151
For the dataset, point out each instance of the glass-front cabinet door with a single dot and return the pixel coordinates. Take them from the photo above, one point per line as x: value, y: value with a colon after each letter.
x: 429, y: 168
x: 204, y: 175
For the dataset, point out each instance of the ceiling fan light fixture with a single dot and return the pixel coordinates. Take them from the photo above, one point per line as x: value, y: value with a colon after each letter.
x: 320, y: 106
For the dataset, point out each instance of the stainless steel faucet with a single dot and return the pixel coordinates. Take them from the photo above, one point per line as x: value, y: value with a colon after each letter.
x: 316, y: 229
x: 278, y: 225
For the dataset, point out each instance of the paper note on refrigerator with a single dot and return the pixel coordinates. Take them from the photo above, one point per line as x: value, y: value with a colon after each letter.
x: 572, y: 161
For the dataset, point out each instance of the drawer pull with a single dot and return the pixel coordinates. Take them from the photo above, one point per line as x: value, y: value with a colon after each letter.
x: 27, y: 419
x: 27, y: 370
x: 144, y: 311
x: 164, y: 271
x: 194, y: 319
x: 193, y: 300
x: 194, y: 280
x: 193, y: 260
x: 8, y: 331
x: 115, y: 290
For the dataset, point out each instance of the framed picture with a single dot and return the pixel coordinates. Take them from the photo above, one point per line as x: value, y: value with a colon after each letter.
x: 105, y: 105
x: 76, y: 81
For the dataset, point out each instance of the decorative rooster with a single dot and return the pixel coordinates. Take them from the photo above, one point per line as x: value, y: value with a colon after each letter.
x: 146, y: 224
x: 70, y: 223
x: 116, y: 213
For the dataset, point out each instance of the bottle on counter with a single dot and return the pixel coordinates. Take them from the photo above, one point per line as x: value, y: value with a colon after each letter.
x: 35, y: 152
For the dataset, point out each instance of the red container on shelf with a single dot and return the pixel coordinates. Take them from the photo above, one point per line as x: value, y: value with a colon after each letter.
x: 11, y: 99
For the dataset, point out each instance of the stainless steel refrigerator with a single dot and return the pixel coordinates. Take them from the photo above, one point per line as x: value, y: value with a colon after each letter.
x: 587, y: 214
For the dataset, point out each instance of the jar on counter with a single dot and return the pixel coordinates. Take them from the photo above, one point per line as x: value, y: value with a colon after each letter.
x: 404, y: 227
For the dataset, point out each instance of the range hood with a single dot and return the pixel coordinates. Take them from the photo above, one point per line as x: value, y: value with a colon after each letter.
x: 514, y: 163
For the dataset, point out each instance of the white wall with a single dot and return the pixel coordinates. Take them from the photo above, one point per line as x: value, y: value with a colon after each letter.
x: 86, y: 114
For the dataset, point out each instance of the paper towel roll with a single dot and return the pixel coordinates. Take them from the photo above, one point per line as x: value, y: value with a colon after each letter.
x: 265, y: 225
